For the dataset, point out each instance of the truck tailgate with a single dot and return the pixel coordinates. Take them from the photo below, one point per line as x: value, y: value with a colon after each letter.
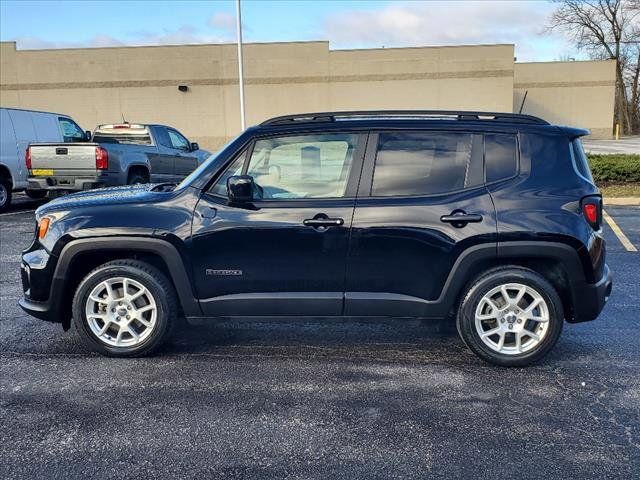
x: 63, y: 158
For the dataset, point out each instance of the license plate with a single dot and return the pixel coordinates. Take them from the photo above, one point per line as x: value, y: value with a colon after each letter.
x: 42, y: 172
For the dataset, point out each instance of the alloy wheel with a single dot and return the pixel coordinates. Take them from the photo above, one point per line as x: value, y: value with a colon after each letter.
x: 512, y: 318
x: 121, y: 312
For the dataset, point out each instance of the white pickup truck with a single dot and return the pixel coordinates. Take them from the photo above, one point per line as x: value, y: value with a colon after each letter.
x: 118, y: 154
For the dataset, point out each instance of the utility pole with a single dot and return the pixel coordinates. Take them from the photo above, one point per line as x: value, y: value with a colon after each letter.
x: 240, y: 72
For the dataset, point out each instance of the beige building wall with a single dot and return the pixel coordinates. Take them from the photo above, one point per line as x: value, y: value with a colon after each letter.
x: 103, y: 85
x: 579, y: 94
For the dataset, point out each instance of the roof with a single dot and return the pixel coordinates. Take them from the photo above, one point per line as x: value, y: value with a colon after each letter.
x: 459, y: 115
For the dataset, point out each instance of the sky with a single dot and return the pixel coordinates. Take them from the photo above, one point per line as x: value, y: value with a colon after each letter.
x: 345, y: 24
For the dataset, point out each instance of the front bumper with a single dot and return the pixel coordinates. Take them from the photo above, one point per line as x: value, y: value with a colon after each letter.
x: 590, y: 299
x: 37, y: 272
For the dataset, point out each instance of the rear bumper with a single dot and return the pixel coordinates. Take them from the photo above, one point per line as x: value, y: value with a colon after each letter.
x: 590, y: 299
x: 71, y: 182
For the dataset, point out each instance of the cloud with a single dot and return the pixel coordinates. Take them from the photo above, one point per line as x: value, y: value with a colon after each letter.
x: 222, y: 20
x: 184, y: 35
x: 36, y: 43
x: 420, y: 23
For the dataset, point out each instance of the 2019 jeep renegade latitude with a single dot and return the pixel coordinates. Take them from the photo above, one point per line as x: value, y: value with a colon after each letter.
x: 490, y: 218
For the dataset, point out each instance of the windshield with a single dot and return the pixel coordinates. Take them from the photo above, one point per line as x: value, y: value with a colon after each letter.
x: 205, y: 165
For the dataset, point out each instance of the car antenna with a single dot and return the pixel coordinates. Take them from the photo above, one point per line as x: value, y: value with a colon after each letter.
x: 524, y: 99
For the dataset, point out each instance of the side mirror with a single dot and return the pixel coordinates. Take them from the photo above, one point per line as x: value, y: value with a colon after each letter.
x: 240, y: 189
x: 87, y: 135
x: 195, y: 146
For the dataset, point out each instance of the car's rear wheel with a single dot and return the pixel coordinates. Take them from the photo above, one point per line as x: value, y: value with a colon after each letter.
x: 5, y: 194
x: 124, y: 308
x: 138, y: 177
x: 510, y: 316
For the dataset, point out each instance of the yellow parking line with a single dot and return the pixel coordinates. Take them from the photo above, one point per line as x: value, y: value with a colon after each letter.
x: 629, y: 247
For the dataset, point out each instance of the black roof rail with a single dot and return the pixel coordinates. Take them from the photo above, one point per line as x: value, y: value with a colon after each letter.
x: 436, y: 114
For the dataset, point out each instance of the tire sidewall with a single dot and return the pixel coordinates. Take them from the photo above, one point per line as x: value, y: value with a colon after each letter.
x: 466, y: 316
x: 4, y: 185
x: 137, y: 179
x: 155, y: 288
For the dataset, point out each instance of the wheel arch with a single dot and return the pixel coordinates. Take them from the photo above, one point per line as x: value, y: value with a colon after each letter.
x: 79, y: 257
x: 5, y: 173
x: 558, y: 263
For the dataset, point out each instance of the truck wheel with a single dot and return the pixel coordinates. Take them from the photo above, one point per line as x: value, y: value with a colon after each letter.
x: 124, y: 308
x: 5, y: 195
x: 136, y: 178
x: 36, y: 194
x: 510, y: 316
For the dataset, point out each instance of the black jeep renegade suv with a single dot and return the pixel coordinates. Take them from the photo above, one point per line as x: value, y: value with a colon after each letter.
x: 491, y: 219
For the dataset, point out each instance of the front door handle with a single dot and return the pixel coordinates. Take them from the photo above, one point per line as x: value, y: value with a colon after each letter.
x: 460, y: 218
x: 322, y: 222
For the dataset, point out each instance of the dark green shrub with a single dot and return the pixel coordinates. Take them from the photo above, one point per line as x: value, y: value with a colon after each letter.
x: 615, y: 168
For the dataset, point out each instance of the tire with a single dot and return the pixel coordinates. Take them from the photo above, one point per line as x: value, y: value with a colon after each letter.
x: 36, y: 194
x: 511, y: 321
x: 5, y: 194
x: 157, y: 306
x: 136, y: 178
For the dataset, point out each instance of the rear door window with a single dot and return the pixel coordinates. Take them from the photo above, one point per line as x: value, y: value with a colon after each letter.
x: 500, y: 156
x: 422, y: 163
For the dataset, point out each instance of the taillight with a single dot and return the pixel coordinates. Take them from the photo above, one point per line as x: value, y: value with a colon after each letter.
x: 102, y: 159
x: 27, y: 158
x: 592, y: 211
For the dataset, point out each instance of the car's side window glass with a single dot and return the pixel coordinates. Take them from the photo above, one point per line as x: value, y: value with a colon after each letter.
x: 220, y: 187
x: 162, y: 137
x: 178, y: 141
x: 303, y: 166
x: 421, y: 163
x: 500, y: 156
x: 71, y: 132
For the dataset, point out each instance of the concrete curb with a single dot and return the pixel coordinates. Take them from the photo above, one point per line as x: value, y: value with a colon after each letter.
x: 622, y: 201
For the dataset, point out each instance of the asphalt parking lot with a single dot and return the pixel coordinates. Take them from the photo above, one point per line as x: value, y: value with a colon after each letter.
x: 316, y: 399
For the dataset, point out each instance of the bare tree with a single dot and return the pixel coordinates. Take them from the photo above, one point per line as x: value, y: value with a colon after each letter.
x: 608, y: 29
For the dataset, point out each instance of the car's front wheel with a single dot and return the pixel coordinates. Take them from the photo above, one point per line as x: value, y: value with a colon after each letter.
x: 124, y: 308
x: 510, y: 316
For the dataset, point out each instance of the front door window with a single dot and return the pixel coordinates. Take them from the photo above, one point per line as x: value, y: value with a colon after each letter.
x: 304, y: 166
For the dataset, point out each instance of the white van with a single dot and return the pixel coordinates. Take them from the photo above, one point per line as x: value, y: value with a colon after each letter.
x: 19, y: 128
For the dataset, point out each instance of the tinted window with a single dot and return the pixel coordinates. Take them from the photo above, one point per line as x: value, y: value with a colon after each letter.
x: 421, y: 163
x: 162, y: 137
x: 500, y: 156
x: 580, y: 159
x: 305, y: 166
x: 70, y: 131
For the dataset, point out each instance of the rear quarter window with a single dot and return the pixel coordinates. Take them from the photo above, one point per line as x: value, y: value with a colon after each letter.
x: 580, y: 161
x: 500, y: 156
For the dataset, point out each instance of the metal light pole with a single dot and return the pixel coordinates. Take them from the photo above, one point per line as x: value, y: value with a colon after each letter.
x: 240, y: 73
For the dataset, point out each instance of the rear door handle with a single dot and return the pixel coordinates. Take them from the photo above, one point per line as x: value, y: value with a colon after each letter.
x: 460, y: 218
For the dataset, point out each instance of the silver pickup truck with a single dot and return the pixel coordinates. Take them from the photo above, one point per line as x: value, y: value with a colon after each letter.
x: 118, y: 154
